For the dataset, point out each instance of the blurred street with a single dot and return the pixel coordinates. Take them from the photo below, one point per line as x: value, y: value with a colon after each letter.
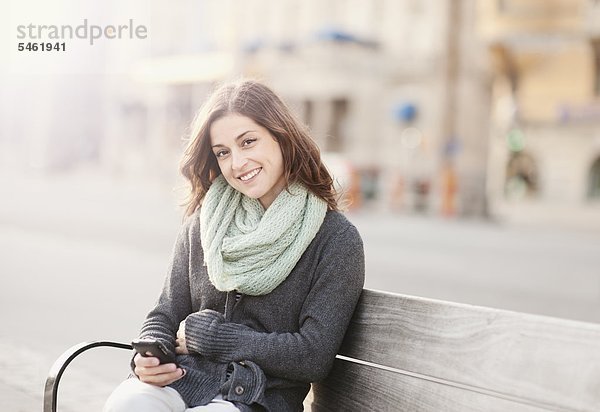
x: 83, y: 258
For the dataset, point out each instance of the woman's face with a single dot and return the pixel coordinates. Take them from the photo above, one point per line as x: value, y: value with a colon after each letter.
x: 249, y: 157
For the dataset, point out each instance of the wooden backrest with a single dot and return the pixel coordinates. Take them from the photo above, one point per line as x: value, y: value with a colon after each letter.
x: 403, y: 353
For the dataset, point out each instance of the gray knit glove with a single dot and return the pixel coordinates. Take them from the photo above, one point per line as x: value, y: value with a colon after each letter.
x: 208, y: 333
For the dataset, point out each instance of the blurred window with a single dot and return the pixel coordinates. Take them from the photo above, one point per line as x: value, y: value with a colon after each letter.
x: 179, y: 111
x: 539, y: 9
x: 337, y: 133
x: 594, y: 188
x: 596, y: 49
x: 308, y: 113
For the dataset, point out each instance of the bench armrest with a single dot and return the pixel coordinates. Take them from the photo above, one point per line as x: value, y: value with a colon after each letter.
x: 56, y: 371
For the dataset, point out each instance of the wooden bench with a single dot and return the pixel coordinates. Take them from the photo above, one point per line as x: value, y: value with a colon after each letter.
x: 403, y: 353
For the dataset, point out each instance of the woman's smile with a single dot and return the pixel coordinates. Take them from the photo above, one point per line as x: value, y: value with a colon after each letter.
x: 248, y: 177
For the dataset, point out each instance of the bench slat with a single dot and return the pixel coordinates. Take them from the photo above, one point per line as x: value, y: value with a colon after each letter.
x: 553, y: 361
x: 351, y: 387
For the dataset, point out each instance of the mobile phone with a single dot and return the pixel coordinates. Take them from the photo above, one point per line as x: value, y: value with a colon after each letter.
x: 151, y: 347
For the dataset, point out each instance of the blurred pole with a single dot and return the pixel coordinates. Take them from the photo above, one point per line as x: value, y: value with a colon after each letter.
x: 448, y: 194
x: 452, y: 61
x: 465, y: 122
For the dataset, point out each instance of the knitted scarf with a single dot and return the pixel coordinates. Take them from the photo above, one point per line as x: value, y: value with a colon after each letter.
x: 252, y: 250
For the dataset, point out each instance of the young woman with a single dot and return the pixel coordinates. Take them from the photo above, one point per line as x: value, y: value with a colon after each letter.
x: 266, y: 271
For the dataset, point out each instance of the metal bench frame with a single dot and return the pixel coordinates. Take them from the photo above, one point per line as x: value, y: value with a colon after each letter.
x: 59, y: 366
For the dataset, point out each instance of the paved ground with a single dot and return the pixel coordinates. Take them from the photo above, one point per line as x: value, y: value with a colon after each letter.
x: 66, y: 241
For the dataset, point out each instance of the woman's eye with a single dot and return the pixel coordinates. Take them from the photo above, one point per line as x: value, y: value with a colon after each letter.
x: 221, y: 153
x: 248, y: 141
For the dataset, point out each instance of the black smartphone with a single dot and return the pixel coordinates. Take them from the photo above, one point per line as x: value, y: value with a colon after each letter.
x: 151, y: 347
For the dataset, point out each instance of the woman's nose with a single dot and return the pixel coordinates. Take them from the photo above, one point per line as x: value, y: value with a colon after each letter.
x: 238, y: 161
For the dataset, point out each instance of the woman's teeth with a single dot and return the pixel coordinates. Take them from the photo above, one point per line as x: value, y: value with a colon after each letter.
x: 249, y: 175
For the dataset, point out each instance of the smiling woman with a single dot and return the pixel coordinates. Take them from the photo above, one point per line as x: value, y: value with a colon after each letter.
x: 265, y: 111
x: 249, y: 157
x: 266, y: 271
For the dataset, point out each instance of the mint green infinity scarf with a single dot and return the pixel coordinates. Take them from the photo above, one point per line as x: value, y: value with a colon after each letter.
x: 252, y: 250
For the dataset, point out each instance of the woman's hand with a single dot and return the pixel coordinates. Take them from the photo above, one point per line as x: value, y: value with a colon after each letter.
x: 149, y: 370
x: 180, y: 344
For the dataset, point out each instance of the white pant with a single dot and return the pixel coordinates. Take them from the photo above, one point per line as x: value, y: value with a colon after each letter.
x: 134, y: 395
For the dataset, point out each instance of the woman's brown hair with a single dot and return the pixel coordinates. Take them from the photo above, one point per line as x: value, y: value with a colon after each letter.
x: 301, y: 157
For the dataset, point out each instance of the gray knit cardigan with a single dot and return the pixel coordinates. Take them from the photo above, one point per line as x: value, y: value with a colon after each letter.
x: 260, y: 352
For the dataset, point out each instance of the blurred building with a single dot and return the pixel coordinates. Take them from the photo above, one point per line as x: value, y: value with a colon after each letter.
x: 388, y: 85
x: 545, y: 131
x: 395, y: 90
x: 454, y: 107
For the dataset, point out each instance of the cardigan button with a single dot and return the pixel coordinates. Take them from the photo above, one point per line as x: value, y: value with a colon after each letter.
x: 239, y: 390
